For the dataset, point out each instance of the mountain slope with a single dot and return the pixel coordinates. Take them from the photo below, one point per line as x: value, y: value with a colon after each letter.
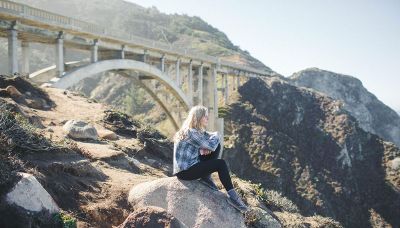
x: 305, y: 145
x: 373, y: 115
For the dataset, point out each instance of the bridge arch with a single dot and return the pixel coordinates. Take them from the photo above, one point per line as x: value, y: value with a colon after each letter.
x: 78, y: 74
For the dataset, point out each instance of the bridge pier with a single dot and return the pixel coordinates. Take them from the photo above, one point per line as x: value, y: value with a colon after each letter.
x: 94, y: 57
x: 25, y: 49
x: 162, y: 63
x: 200, y: 85
x: 190, y: 81
x: 122, y: 52
x: 60, y: 54
x: 225, y: 88
x: 178, y: 76
x: 214, y: 94
x: 237, y: 82
x: 12, y: 51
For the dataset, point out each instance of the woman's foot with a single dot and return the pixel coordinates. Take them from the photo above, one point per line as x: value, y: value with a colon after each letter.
x: 235, y: 200
x: 207, y: 181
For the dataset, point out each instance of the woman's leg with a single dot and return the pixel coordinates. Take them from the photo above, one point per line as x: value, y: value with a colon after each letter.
x: 206, y: 168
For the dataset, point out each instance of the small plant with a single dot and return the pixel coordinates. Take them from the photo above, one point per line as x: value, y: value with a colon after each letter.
x: 66, y: 220
x: 20, y: 135
x: 223, y: 112
x: 275, y: 199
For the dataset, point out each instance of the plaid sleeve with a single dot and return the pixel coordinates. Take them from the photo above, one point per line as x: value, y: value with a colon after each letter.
x: 204, y: 141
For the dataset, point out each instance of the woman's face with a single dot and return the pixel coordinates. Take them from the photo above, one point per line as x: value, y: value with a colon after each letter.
x: 204, y: 121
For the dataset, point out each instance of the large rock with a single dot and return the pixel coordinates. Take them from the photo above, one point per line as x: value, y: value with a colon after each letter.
x: 372, y: 115
x: 304, y: 146
x: 13, y: 92
x: 192, y: 203
x: 29, y: 194
x: 78, y: 129
x: 151, y: 217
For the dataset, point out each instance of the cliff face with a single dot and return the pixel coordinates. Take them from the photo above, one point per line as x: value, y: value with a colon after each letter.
x: 305, y: 145
x: 372, y: 114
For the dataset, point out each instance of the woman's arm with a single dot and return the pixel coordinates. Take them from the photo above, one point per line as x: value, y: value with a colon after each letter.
x: 199, y: 139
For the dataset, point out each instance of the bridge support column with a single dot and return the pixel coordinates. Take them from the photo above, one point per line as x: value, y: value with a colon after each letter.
x: 214, y: 95
x: 220, y: 129
x: 145, y: 56
x: 162, y: 63
x: 237, y: 82
x: 190, y: 82
x: 178, y: 76
x: 25, y: 58
x: 60, y: 55
x: 122, y: 52
x: 12, y: 51
x: 225, y: 87
x: 94, y: 57
x: 200, y: 85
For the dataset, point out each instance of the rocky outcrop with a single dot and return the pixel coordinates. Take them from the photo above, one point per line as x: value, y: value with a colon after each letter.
x: 29, y: 194
x: 373, y: 115
x: 192, y: 203
x: 78, y: 129
x: 304, y: 145
x: 151, y: 217
x: 23, y: 92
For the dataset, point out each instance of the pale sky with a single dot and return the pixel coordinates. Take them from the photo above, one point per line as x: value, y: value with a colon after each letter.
x: 360, y: 38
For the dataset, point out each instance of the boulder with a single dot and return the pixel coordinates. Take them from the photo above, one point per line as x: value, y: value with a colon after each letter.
x: 151, y: 217
x: 13, y: 92
x: 189, y: 201
x: 29, y: 194
x: 106, y: 134
x: 37, y: 103
x: 78, y: 129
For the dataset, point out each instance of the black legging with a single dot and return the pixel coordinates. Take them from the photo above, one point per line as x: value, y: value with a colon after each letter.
x: 207, y: 165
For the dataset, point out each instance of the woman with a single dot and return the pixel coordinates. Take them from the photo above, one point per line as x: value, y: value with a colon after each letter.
x: 196, y: 155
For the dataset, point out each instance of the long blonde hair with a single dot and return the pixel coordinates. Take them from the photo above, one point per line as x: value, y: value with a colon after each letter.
x: 192, y: 121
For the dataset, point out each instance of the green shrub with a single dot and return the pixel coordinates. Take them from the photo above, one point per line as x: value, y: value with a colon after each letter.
x: 67, y: 220
x: 275, y: 199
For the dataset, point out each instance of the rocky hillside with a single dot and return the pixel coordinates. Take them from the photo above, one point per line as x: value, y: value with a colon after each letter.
x: 75, y: 161
x: 305, y: 145
x: 372, y: 115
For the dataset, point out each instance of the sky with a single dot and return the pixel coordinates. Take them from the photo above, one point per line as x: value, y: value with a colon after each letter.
x: 360, y: 38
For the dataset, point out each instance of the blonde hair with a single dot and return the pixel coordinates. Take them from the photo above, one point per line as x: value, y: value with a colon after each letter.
x: 192, y: 121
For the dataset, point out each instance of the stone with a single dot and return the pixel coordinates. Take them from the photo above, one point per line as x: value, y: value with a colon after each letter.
x: 37, y: 103
x: 395, y: 163
x: 78, y: 129
x: 189, y: 201
x: 36, y: 121
x: 106, y: 134
x: 13, y: 92
x: 29, y: 194
x: 151, y: 217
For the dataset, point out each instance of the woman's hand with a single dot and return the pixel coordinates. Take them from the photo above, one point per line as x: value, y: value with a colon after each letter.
x: 205, y: 151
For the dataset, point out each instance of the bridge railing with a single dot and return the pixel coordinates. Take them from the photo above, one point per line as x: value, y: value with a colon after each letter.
x: 31, y: 13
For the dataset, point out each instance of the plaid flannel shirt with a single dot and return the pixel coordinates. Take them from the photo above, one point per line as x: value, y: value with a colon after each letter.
x: 187, y: 151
